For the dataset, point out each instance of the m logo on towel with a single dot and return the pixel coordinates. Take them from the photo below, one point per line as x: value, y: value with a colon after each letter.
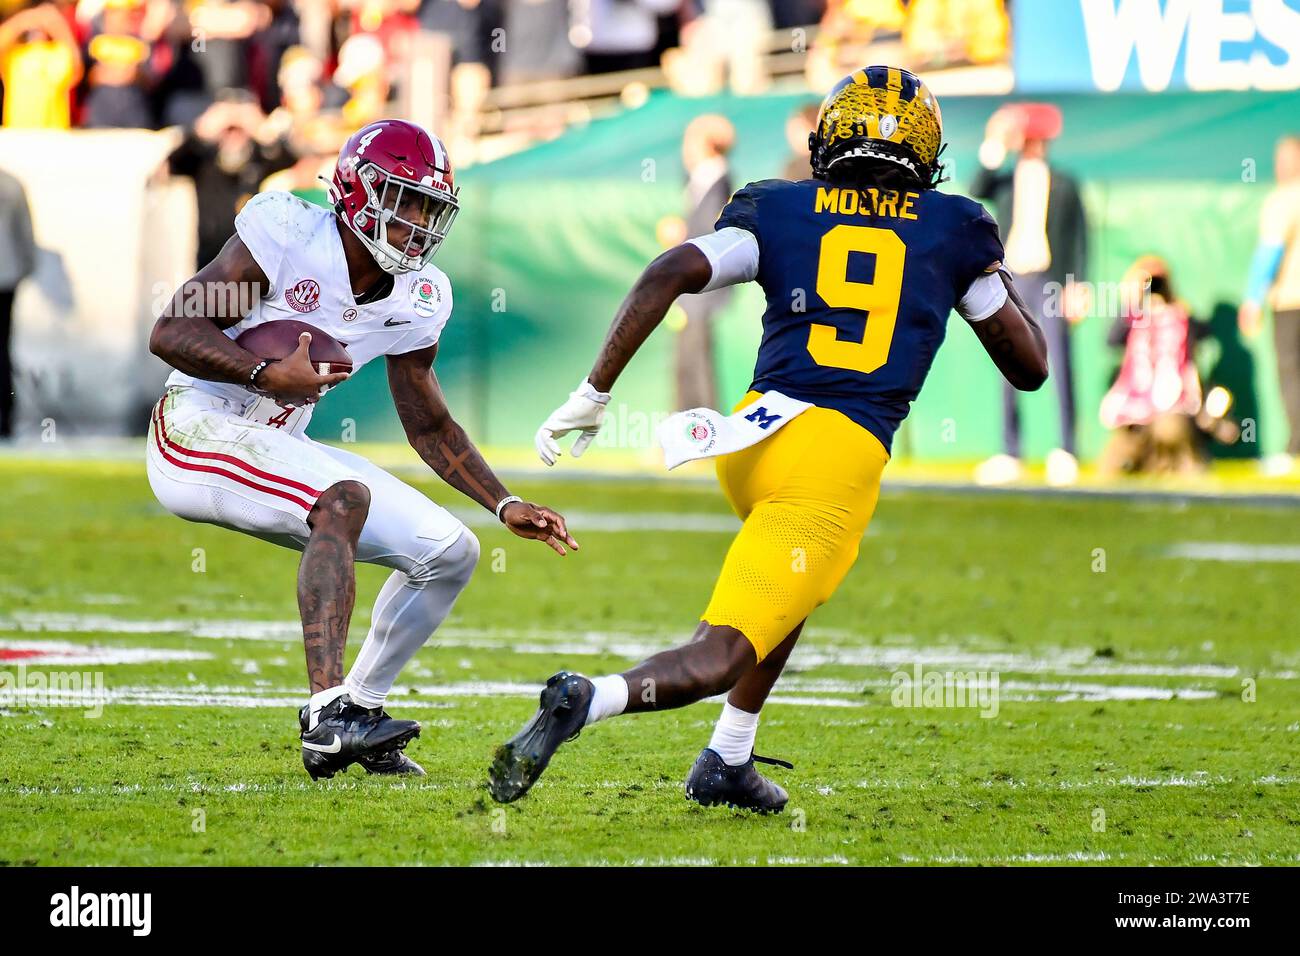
x: 761, y: 418
x: 705, y: 433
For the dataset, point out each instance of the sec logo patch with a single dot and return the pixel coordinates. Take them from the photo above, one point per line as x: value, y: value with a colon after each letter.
x: 425, y: 296
x: 304, y: 296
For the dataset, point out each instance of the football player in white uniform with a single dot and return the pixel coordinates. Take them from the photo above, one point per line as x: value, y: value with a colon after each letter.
x: 227, y: 442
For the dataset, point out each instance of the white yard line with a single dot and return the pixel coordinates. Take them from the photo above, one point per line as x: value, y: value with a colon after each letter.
x: 1078, y: 661
x: 1198, y: 779
x: 295, y: 785
x: 60, y: 654
x: 1078, y: 856
x: 439, y: 696
x: 1235, y: 552
x: 833, y: 860
x: 57, y: 622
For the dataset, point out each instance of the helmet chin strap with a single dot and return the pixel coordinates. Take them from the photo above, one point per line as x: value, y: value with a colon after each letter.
x: 382, y: 258
x: 866, y: 152
x: 386, y: 263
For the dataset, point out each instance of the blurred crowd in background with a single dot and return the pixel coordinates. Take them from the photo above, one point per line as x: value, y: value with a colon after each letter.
x: 154, y: 63
x: 266, y: 91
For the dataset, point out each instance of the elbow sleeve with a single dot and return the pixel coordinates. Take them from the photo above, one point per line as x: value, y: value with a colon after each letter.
x: 733, y: 256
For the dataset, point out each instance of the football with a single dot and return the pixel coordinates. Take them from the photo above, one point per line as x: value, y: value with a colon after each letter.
x: 279, y: 339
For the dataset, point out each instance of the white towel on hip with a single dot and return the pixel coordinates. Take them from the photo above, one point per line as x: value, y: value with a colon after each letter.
x: 705, y: 433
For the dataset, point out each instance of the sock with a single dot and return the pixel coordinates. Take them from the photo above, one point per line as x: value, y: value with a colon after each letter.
x: 319, y: 701
x: 733, y: 735
x: 407, y: 612
x: 610, y: 698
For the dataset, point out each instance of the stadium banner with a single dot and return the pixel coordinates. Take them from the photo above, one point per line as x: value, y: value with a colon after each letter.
x: 1156, y: 45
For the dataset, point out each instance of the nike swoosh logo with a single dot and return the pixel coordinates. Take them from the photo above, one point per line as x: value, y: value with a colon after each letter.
x: 390, y: 323
x: 330, y: 748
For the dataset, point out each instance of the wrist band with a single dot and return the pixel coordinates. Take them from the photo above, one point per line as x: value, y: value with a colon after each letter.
x: 508, y: 499
x: 587, y: 390
x: 257, y: 370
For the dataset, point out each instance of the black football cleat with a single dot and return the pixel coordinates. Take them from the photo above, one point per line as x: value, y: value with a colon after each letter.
x: 713, y: 782
x: 345, y: 733
x: 391, y: 764
x: 518, y: 762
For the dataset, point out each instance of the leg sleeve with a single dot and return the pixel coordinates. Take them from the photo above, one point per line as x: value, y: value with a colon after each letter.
x: 433, y: 556
x: 407, y: 612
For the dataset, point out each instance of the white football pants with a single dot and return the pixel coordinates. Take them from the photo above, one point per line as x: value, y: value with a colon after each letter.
x: 205, y: 463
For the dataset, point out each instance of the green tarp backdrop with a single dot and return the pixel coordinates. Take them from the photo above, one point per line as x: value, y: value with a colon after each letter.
x: 549, y: 240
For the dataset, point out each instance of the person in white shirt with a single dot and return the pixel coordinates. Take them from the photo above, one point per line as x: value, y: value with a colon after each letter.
x: 227, y: 442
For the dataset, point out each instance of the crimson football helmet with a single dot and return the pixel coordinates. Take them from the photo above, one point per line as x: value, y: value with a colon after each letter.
x: 391, y: 172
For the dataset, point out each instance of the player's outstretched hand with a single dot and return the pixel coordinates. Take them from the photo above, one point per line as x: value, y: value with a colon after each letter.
x: 293, y: 380
x: 583, y: 412
x: 537, y: 521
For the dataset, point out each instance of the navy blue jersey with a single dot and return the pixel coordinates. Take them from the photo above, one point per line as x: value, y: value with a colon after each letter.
x: 859, y: 287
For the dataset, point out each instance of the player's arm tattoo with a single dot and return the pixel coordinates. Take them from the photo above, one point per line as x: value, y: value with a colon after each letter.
x: 681, y: 269
x: 1014, y: 341
x: 434, y: 434
x: 188, y: 334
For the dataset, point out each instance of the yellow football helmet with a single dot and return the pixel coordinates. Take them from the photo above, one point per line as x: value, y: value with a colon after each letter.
x: 880, y: 112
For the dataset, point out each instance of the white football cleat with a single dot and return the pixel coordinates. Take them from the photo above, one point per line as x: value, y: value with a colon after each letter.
x: 1062, y: 468
x: 998, y: 470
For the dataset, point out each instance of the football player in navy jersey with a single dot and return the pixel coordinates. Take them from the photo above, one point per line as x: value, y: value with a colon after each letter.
x: 861, y: 265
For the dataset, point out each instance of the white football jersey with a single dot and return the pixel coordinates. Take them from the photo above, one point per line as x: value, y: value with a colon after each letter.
x: 298, y: 246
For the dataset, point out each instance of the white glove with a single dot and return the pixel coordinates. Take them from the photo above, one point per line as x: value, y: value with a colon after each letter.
x: 583, y: 412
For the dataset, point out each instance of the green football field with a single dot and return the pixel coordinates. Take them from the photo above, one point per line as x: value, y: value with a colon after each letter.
x: 1140, y: 663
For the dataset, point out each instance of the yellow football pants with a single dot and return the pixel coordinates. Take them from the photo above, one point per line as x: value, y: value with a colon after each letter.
x: 806, y: 496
